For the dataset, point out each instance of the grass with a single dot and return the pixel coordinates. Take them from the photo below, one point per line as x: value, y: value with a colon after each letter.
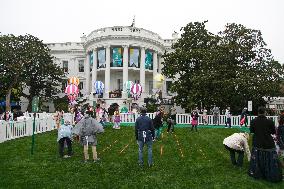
x: 188, y: 160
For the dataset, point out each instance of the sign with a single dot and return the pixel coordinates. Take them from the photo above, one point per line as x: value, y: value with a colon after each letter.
x: 249, y: 106
x: 35, y: 103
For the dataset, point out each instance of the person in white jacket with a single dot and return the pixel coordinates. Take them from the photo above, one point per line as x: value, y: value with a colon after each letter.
x: 237, y: 143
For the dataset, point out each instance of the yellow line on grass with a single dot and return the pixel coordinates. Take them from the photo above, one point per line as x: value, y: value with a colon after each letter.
x: 126, y: 146
x: 108, y: 147
x: 177, y: 141
x: 161, y: 150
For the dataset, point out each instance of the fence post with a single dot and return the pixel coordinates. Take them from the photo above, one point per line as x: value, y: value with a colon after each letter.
x: 2, y: 131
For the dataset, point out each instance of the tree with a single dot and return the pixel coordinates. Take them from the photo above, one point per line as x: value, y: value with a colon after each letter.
x: 26, y: 62
x: 226, y: 69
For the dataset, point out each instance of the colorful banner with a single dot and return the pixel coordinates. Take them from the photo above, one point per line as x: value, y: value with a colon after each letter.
x: 117, y: 57
x: 102, y: 58
x: 149, y: 60
x: 134, y: 58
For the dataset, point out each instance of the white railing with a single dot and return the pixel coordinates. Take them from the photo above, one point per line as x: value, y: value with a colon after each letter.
x: 24, y: 127
x: 44, y: 122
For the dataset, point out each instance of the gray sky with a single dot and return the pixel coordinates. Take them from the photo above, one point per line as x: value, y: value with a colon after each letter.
x: 66, y: 20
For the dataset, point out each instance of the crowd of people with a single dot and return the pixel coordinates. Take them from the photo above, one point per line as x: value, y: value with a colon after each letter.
x: 266, y: 157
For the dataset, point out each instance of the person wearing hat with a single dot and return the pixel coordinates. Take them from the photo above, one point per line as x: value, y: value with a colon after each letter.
x: 237, y: 143
x: 64, y: 137
x: 144, y: 133
x: 87, y: 129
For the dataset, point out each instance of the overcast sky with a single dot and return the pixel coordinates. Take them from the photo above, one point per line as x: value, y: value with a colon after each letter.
x: 67, y: 20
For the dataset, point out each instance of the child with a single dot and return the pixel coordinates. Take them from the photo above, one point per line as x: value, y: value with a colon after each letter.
x: 103, y: 120
x: 194, y: 120
x: 79, y: 116
x: 64, y: 136
x: 116, y: 119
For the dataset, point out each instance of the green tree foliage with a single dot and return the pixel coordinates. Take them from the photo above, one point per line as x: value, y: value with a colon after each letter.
x: 226, y: 69
x: 26, y: 61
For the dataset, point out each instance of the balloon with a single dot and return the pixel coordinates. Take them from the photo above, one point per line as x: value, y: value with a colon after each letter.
x: 159, y: 77
x: 71, y: 90
x: 74, y: 80
x: 158, y: 81
x: 136, y: 91
x: 72, y: 97
x: 99, y: 87
x: 128, y: 85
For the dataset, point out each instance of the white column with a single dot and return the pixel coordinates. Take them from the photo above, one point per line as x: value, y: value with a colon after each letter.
x: 155, y: 64
x: 142, y: 72
x: 155, y: 67
x: 87, y: 74
x: 125, y: 69
x: 107, y: 73
x: 94, y: 71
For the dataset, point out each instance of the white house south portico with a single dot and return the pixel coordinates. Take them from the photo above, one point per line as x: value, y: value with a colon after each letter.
x: 114, y: 55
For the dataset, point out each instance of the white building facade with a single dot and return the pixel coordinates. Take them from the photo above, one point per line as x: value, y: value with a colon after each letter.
x: 114, y: 55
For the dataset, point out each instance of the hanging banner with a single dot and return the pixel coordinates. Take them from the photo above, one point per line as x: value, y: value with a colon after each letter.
x: 149, y: 60
x: 101, y: 58
x: 134, y: 57
x: 117, y: 57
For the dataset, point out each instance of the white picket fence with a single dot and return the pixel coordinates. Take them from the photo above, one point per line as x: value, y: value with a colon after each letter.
x: 44, y: 122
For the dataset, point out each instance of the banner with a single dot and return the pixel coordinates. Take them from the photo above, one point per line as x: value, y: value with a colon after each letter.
x: 117, y: 57
x: 102, y: 58
x: 134, y: 58
x: 149, y: 60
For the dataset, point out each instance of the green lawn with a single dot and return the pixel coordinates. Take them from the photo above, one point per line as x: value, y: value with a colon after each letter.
x: 188, y: 160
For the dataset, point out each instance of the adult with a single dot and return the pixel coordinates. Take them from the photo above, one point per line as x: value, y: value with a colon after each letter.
x: 264, y: 161
x: 228, y: 117
x: 87, y: 129
x: 280, y: 139
x: 205, y: 117
x: 216, y: 114
x: 144, y: 133
x: 158, y: 123
x: 173, y: 117
x: 237, y: 143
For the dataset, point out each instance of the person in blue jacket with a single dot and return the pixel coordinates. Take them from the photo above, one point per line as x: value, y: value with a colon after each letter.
x: 144, y: 133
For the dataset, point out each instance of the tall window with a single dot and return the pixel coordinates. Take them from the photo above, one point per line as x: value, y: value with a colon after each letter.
x: 81, y: 65
x: 168, y: 87
x: 65, y: 65
x: 119, y: 84
x: 64, y: 85
x: 81, y: 85
x: 150, y: 87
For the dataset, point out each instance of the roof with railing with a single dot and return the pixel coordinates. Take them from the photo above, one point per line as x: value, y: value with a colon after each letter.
x: 124, y: 31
